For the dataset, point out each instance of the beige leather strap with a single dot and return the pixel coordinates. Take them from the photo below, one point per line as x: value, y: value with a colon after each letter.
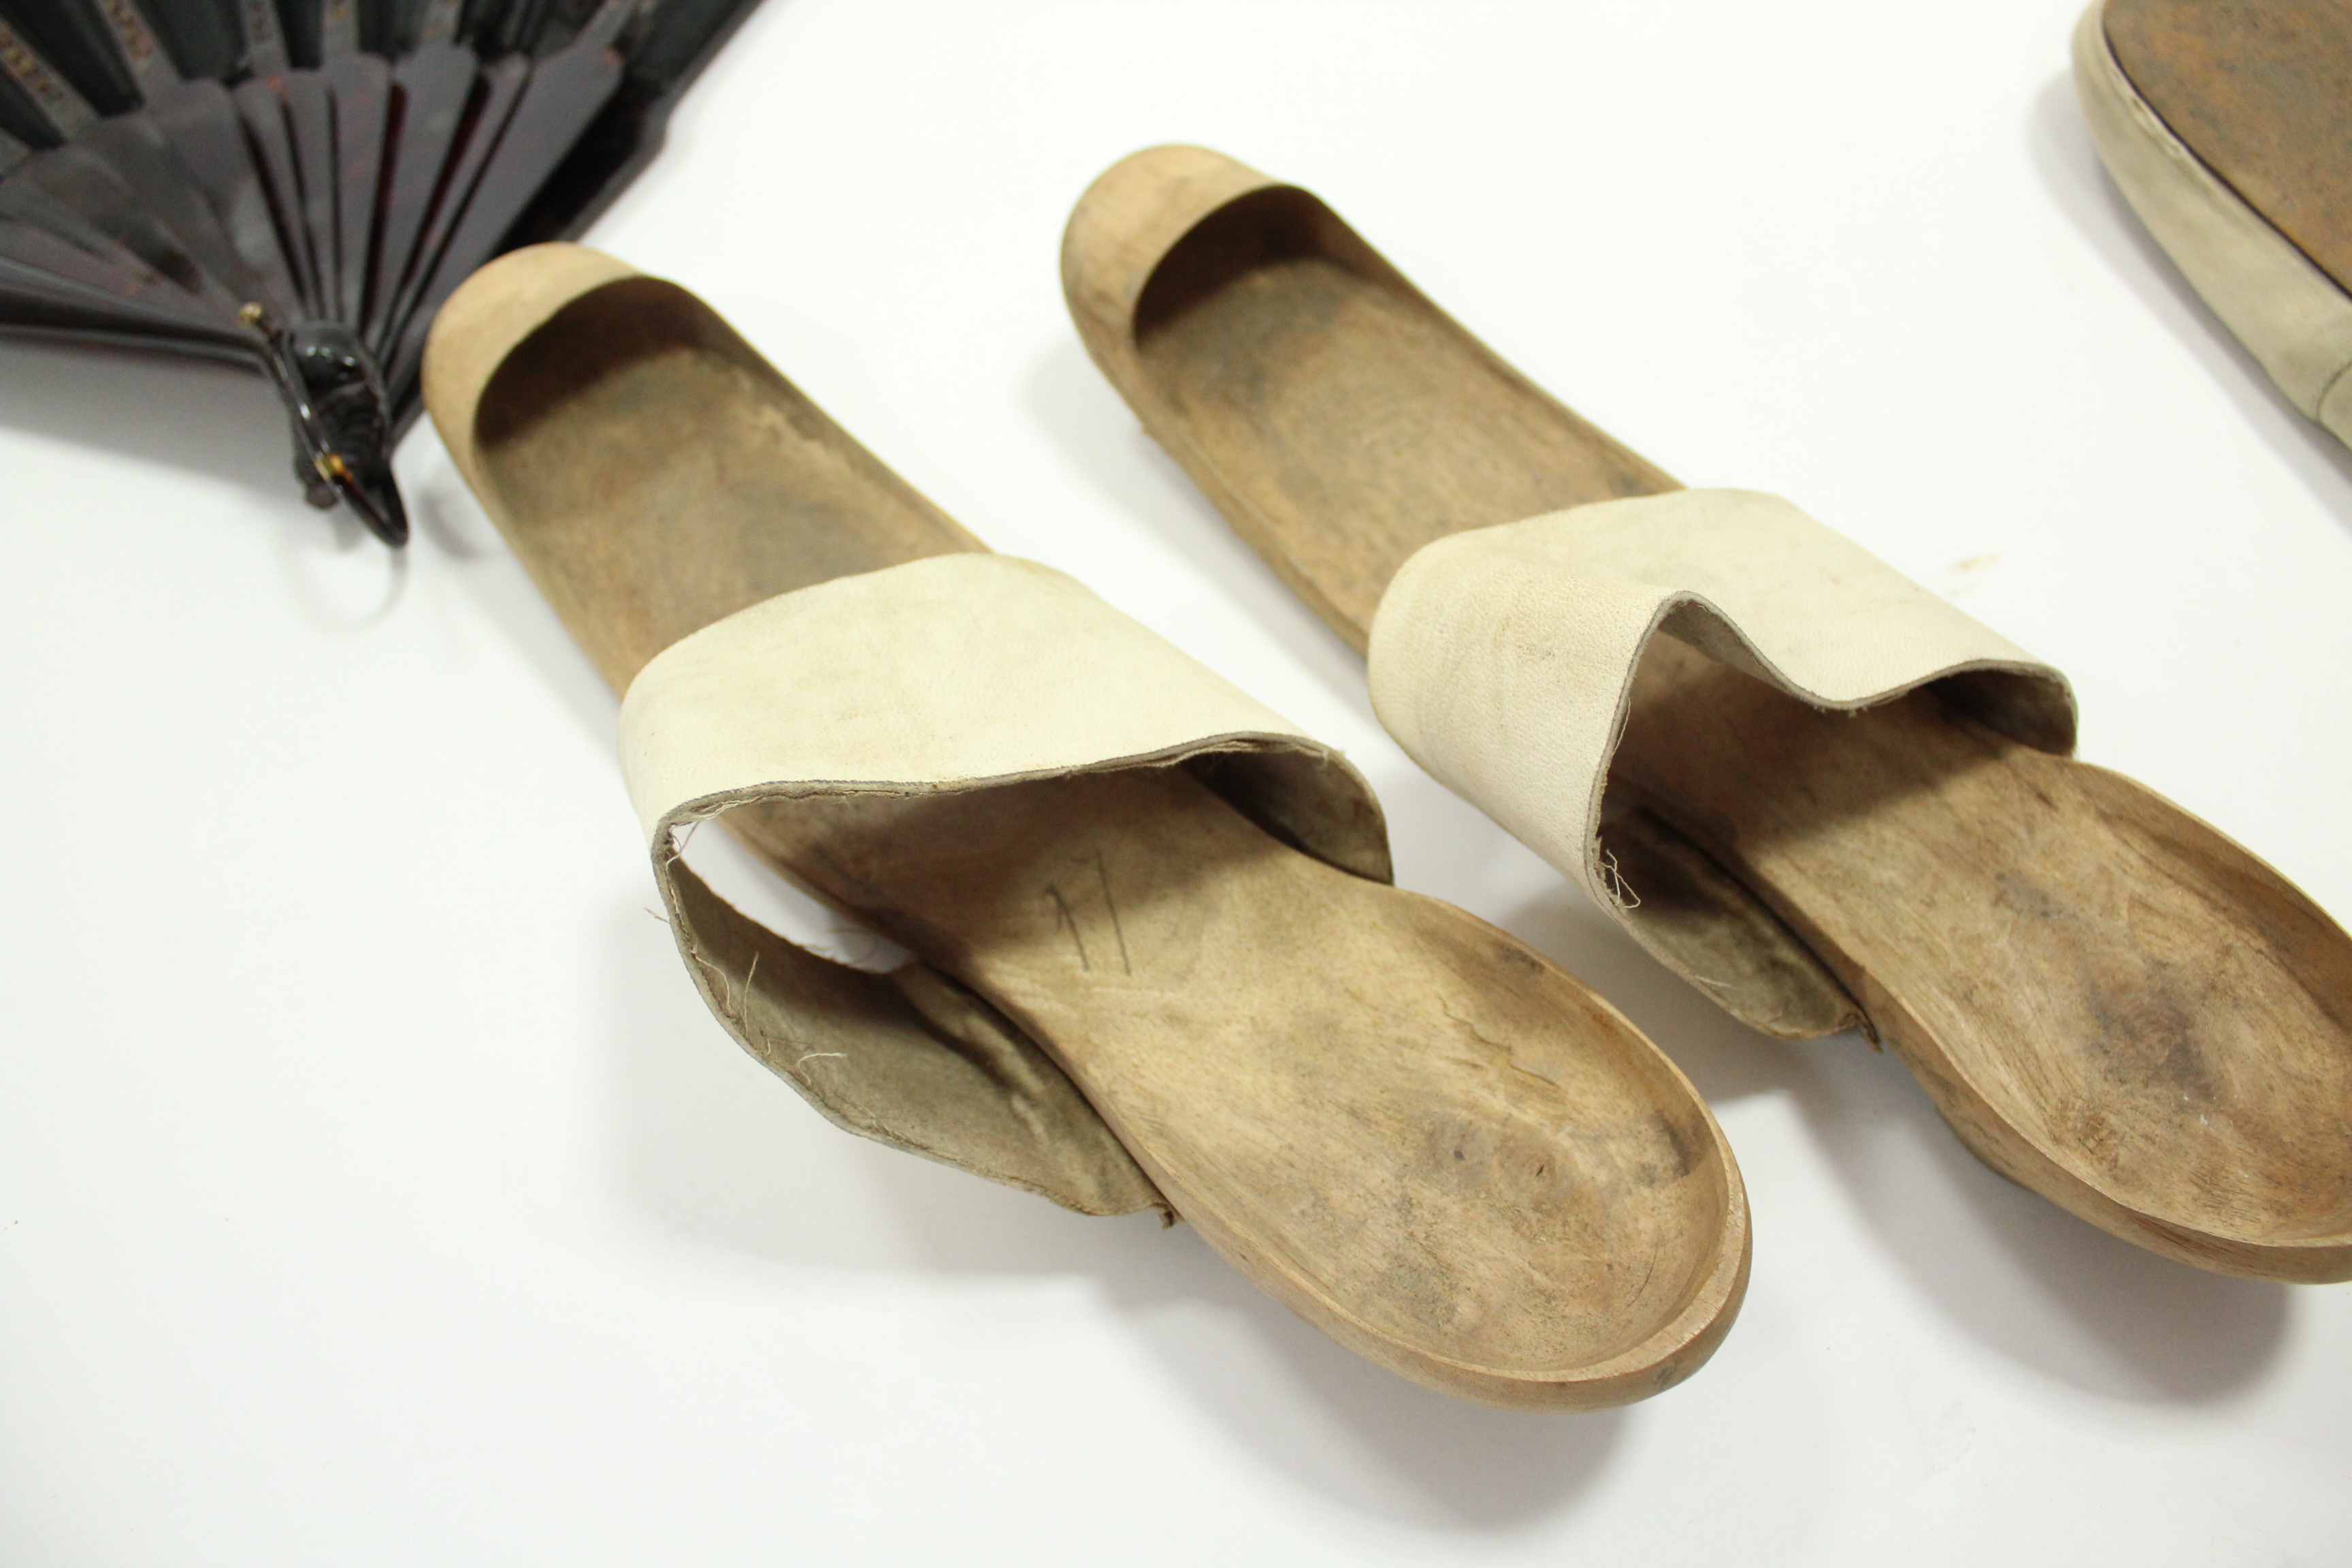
x: 952, y: 673
x: 1503, y: 658
x: 2290, y: 315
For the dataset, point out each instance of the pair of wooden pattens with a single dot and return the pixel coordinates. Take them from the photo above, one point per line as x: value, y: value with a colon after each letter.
x: 1175, y: 972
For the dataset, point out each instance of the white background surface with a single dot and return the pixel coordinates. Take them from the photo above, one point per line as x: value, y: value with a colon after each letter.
x: 374, y: 1188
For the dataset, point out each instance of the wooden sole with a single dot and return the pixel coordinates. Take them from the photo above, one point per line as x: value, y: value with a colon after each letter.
x: 1414, y: 1130
x: 2110, y: 1002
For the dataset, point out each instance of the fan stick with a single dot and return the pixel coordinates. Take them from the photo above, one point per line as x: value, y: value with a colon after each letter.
x: 310, y: 132
x: 566, y: 91
x: 67, y: 111
x: 200, y: 120
x: 360, y: 87
x: 498, y: 85
x: 432, y: 88
x: 314, y: 218
x: 263, y: 113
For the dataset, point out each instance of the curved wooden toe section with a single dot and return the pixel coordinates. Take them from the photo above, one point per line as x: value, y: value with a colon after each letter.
x: 1413, y: 1129
x: 2112, y: 1003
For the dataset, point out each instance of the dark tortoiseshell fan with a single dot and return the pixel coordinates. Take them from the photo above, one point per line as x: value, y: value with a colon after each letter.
x: 298, y: 184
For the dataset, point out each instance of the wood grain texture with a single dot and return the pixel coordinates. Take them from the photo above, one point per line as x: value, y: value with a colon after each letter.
x: 1408, y: 1126
x: 2261, y: 91
x: 2110, y: 1002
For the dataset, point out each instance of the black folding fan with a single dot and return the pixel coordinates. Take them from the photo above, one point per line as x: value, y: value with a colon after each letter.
x: 298, y: 184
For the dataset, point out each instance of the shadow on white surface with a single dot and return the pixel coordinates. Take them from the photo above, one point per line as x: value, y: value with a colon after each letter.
x: 203, y: 416
x: 2023, y: 1275
x: 209, y: 417
x: 1295, y: 1399
x: 2068, y: 163
x: 2020, y: 1274
x: 443, y: 510
x: 216, y: 421
x: 712, y: 1146
x: 1332, y: 1420
x: 446, y: 514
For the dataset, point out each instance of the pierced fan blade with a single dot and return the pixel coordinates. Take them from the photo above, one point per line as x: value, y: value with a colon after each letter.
x: 199, y: 119
x: 496, y: 88
x: 300, y: 184
x: 56, y: 286
x: 361, y: 87
x: 77, y: 179
x: 434, y: 87
x: 134, y: 150
x: 564, y: 93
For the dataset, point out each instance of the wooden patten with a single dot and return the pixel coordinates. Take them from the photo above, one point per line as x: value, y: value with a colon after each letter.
x: 1407, y: 1125
x: 2111, y: 1002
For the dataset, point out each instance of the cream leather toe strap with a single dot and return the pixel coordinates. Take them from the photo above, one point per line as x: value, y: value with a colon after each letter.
x: 1502, y: 660
x: 953, y: 673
